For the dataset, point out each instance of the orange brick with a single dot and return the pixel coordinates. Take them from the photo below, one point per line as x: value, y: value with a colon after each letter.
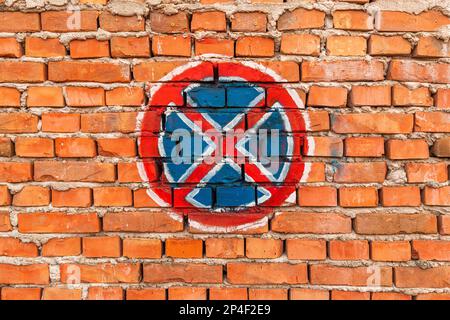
x: 84, y: 97
x: 442, y: 100
x: 346, y: 46
x: 400, y: 196
x: 91, y: 71
x: 146, y: 294
x: 5, y: 222
x: 362, y: 172
x: 142, y: 248
x: 228, y: 294
x: 349, y: 295
x: 116, y: 23
x: 67, y: 21
x: 164, y: 45
x: 327, y: 97
x: 419, y: 71
x: 46, y: 48
x: 402, y: 96
x: 426, y: 172
x: 223, y: 47
x: 390, y: 296
x: 257, y: 248
x: 322, y: 274
x: 395, y: 223
x: 431, y: 47
x: 432, y: 122
x: 436, y: 196
x: 184, y: 248
x: 101, y: 247
x: 56, y: 222
x: 349, y: 250
x: 174, y: 23
x: 19, y: 22
x: 407, y: 149
x: 9, y: 97
x: 224, y: 248
x: 381, y: 123
x: 389, y: 46
x: 60, y: 122
x: 10, y: 48
x: 125, y: 96
x: 324, y: 147
x: 266, y: 273
x: 128, y: 47
x: 75, y: 147
x: 128, y: 172
x: 61, y: 294
x: 100, y: 293
x: 117, y: 147
x: 249, y: 22
x: 102, y: 272
x: 15, y: 171
x: 112, y: 196
x: 364, y: 147
x: 21, y: 293
x: 431, y: 250
x: 339, y: 70
x: 12, y: 247
x: 22, y: 71
x: 309, y: 294
x: 267, y: 294
x: 187, y: 293
x: 183, y: 272
x: 6, y: 147
x: 300, y: 44
x: 321, y: 223
x: 375, y: 96
x: 5, y: 196
x: 301, y: 19
x: 352, y: 20
x: 209, y: 21
x: 18, y: 123
x: 59, y: 247
x: 255, y: 47
x: 89, y: 48
x: 124, y: 122
x: 317, y: 196
x: 403, y: 21
x: 45, y: 97
x: 433, y: 296
x: 32, y: 196
x: 34, y: 147
x: 24, y: 274
x: 306, y: 249
x: 415, y: 277
x: 356, y: 197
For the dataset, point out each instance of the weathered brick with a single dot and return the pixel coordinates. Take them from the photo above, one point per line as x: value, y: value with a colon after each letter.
x: 327, y: 97
x: 66, y: 71
x: 346, y: 46
x: 321, y: 223
x: 389, y: 46
x: 164, y: 23
x: 375, y: 96
x: 69, y: 21
x: 381, y: 123
x: 395, y: 223
x: 397, y: 149
x: 56, y: 222
x: 74, y: 171
x: 266, y: 273
x: 249, y: 22
x: 352, y: 20
x: 323, y: 274
x: 419, y: 71
x: 301, y: 19
x: 349, y: 70
x: 188, y: 273
x: 141, y: 222
x: 404, y: 21
x: 300, y: 44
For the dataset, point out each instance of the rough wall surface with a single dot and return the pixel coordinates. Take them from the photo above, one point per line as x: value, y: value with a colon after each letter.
x: 369, y: 220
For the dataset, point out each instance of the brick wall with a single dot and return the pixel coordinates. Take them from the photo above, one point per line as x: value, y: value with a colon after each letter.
x: 371, y: 220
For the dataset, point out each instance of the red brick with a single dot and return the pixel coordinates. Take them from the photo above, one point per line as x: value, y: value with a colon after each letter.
x: 5, y: 223
x: 327, y: 97
x: 407, y: 149
x: 432, y: 122
x: 115, y: 23
x: 146, y: 294
x: 66, y: 71
x: 431, y: 47
x: 59, y: 247
x: 112, y: 197
x: 56, y: 222
x: 266, y: 273
x: 374, y: 96
x: 308, y: 294
x: 84, y: 97
x: 349, y: 250
x: 128, y: 172
x: 444, y: 224
x: 10, y: 48
x: 352, y: 20
x: 381, y: 123
x: 101, y: 273
x: 395, y: 223
x: 400, y: 196
x: 165, y: 45
x: 100, y: 293
x: 32, y: 196
x: 18, y: 123
x: 324, y: 147
x: 24, y: 274
x: 360, y: 172
x: 437, y: 196
x: 340, y: 70
x: 389, y: 46
x: 34, y: 147
x: 215, y: 46
x: 142, y: 248
x: 349, y: 295
x: 426, y: 172
x: 228, y: 294
x: 76, y: 197
x: 61, y: 294
x: 442, y: 100
x: 19, y: 22
x: 102, y: 247
x: 6, y: 147
x: 5, y: 196
x: 364, y: 147
x: 301, y: 19
x: 15, y: 171
x: 74, y: 171
x: 12, y: 247
x: 75, y: 147
x: 124, y: 122
x: 128, y: 47
x: 164, y: 23
x: 431, y: 250
x: 317, y: 196
x: 346, y: 46
x: 45, y: 48
x: 390, y: 296
x: 403, y: 21
x: 433, y: 296
x: 9, y: 97
x: 249, y: 22
x: 224, y: 248
x: 125, y: 96
x: 187, y: 293
x: 414, y: 277
x: 209, y: 21
x: 21, y: 293
x: 154, y: 71
x: 60, y: 122
x: 322, y: 274
x: 141, y: 222
x: 321, y: 223
x: 67, y: 21
x: 300, y: 44
x: 419, y: 71
x: 22, y: 71
x: 116, y: 147
x: 184, y: 248
x: 356, y: 197
x: 45, y: 97
x: 189, y: 273
x: 402, y: 96
x: 255, y: 47
x: 306, y: 249
x: 257, y: 248
x: 267, y: 294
